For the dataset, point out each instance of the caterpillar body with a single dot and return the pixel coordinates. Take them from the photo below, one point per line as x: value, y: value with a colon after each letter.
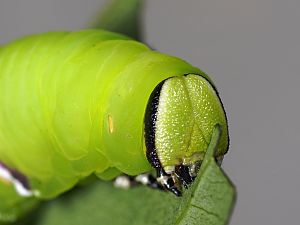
x: 74, y: 104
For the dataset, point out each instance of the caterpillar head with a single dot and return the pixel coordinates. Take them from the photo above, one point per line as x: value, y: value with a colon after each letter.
x: 179, y: 120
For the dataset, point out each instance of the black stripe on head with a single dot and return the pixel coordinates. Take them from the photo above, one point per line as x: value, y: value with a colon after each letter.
x: 150, y: 122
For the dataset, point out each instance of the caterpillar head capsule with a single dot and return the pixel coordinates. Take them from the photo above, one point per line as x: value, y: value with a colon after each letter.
x: 179, y: 120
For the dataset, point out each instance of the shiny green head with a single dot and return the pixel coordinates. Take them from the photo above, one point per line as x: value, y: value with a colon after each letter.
x: 183, y: 112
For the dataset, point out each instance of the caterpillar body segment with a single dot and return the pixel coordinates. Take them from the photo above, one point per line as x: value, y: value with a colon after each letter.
x: 73, y: 104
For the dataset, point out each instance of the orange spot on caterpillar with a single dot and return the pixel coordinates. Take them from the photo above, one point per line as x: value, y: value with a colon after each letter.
x: 110, y: 124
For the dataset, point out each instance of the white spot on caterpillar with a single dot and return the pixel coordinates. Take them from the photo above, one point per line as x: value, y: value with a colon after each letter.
x: 110, y: 124
x: 143, y: 179
x: 21, y: 189
x: 122, y: 182
x: 6, y: 175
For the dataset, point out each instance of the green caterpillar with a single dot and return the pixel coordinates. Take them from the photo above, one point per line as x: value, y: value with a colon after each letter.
x: 74, y: 104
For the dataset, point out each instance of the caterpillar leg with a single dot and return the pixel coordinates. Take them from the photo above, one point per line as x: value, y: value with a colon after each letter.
x: 172, y: 178
x: 166, y: 181
x: 147, y: 179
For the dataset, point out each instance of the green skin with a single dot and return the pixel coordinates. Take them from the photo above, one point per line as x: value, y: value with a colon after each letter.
x: 75, y: 104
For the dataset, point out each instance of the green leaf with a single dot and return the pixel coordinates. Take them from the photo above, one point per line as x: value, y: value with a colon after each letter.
x: 213, y: 195
x: 121, y: 16
x: 208, y: 202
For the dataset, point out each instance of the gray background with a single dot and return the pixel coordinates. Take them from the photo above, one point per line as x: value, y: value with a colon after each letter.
x: 251, y: 49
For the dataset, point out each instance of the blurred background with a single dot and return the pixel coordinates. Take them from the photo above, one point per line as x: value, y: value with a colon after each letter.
x: 251, y: 49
